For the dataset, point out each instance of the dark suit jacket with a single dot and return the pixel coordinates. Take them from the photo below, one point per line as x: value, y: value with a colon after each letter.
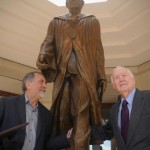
x: 12, y: 113
x: 139, y: 125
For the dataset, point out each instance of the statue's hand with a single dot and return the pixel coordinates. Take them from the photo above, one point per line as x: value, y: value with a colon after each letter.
x: 102, y: 84
x: 42, y: 62
x: 42, y: 58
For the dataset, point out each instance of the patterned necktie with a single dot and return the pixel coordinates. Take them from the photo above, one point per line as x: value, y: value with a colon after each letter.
x: 124, y: 120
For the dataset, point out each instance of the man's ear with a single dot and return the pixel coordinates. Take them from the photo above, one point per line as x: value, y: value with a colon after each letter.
x: 133, y: 80
x: 28, y: 85
x: 113, y: 85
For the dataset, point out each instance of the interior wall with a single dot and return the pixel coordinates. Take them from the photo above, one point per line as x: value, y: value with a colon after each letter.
x: 143, y: 76
x: 11, y: 75
x: 10, y: 85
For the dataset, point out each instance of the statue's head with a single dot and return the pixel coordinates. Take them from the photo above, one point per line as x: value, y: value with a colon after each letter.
x: 74, y: 6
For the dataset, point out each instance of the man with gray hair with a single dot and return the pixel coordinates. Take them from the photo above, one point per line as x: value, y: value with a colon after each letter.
x: 23, y: 108
x: 130, y: 117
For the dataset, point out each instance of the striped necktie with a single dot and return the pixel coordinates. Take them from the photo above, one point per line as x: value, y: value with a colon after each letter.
x: 124, y: 120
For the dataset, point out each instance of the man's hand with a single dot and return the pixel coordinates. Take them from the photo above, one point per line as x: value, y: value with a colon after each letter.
x: 69, y: 133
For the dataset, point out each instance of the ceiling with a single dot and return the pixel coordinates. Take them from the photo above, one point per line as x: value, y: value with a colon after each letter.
x: 125, y: 28
x: 125, y: 32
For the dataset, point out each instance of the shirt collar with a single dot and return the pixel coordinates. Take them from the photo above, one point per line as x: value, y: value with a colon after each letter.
x: 28, y: 102
x: 130, y: 97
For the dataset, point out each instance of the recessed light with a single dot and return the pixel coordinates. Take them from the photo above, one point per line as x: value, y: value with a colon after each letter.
x: 63, y: 2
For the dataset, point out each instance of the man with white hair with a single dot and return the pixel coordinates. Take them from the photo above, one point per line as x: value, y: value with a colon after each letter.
x: 130, y: 117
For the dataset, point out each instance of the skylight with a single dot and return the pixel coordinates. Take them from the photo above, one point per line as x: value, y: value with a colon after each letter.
x: 63, y: 2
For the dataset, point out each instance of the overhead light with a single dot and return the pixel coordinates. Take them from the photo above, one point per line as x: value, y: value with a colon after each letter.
x: 63, y: 2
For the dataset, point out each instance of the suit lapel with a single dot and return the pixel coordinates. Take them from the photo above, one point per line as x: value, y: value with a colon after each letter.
x: 40, y: 117
x: 21, y: 108
x: 137, y: 108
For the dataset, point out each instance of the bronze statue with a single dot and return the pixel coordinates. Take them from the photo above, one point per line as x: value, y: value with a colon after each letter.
x: 72, y: 57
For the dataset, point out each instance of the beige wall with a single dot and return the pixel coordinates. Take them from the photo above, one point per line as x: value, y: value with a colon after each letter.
x: 144, y: 79
x: 12, y: 73
x: 10, y: 85
x: 144, y: 76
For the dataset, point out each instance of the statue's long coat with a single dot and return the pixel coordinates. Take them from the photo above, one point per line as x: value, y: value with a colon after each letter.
x: 84, y: 37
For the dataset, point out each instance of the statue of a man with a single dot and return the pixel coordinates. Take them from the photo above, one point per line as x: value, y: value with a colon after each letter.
x: 72, y: 57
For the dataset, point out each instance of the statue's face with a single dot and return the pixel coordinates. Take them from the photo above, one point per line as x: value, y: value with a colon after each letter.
x: 74, y: 6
